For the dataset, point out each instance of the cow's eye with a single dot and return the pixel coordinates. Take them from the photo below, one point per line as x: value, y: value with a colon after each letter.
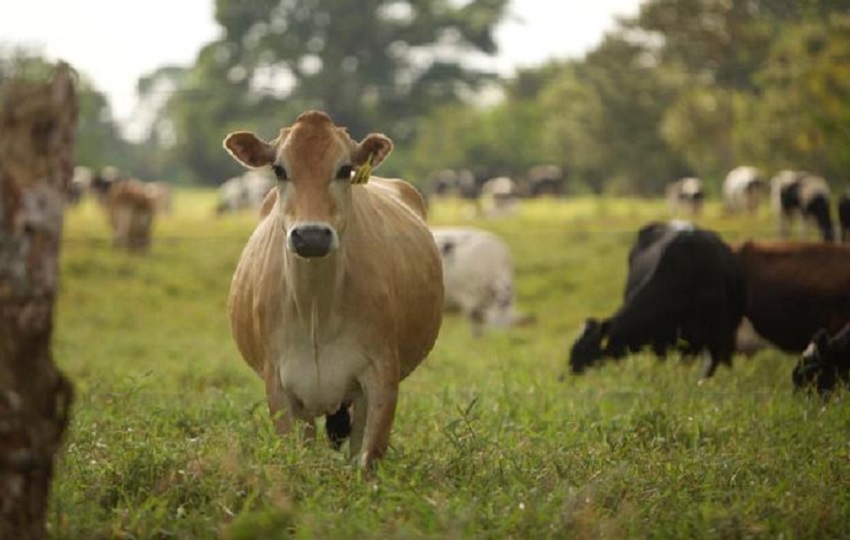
x: 279, y: 171
x: 345, y: 172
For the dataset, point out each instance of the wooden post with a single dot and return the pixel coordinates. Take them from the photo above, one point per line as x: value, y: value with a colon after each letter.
x: 37, y: 129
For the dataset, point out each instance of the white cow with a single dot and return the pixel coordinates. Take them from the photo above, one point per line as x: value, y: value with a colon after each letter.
x: 478, y: 277
x: 743, y: 190
x: 244, y: 192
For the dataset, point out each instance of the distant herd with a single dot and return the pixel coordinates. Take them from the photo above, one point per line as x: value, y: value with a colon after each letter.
x: 340, y: 290
x: 795, y: 197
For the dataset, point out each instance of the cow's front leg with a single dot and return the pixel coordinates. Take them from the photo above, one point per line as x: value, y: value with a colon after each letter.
x: 374, y: 413
x: 278, y: 404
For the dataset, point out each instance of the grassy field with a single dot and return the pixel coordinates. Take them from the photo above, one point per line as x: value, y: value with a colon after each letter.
x: 171, y: 437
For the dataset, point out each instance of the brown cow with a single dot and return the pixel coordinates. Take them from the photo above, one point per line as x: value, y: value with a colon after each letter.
x: 795, y: 288
x: 130, y: 209
x: 338, y: 294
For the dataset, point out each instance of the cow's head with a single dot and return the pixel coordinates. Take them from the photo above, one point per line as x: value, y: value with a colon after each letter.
x: 820, y: 367
x: 315, y: 163
x: 588, y: 348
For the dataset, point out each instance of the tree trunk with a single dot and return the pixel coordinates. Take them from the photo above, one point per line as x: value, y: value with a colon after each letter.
x: 37, y: 128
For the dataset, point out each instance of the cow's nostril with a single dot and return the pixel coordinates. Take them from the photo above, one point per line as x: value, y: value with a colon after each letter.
x: 312, y: 240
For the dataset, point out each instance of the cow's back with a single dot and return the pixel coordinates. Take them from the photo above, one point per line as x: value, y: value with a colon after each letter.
x: 796, y: 288
x: 685, y: 285
x: 477, y: 267
x: 399, y: 272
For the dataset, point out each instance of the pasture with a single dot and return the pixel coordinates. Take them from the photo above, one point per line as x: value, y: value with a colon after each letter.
x: 171, y: 437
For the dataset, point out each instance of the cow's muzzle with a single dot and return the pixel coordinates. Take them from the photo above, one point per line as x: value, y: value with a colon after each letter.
x: 312, y: 240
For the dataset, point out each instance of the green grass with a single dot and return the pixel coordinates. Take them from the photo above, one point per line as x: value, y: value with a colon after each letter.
x: 171, y: 436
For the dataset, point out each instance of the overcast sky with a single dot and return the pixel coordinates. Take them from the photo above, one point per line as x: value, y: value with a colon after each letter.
x: 115, y: 42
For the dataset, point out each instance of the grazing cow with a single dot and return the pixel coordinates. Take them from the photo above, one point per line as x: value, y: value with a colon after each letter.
x: 245, y: 192
x: 844, y: 216
x: 338, y: 294
x: 80, y: 184
x: 453, y: 183
x: 499, y: 196
x: 545, y: 180
x: 825, y: 362
x: 743, y: 190
x: 683, y: 290
x: 802, y: 196
x: 478, y: 277
x: 130, y: 209
x: 102, y: 182
x: 685, y: 196
x: 795, y: 288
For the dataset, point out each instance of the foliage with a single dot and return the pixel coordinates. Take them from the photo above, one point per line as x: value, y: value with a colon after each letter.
x: 684, y: 87
x: 803, y: 110
x: 378, y: 64
x: 171, y: 436
x: 697, y: 88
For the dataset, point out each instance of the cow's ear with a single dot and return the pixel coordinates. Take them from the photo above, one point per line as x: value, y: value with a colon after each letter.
x: 372, y: 150
x: 589, y: 324
x: 249, y: 150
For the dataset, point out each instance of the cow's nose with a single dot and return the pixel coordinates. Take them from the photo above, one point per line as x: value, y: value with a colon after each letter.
x: 311, y: 240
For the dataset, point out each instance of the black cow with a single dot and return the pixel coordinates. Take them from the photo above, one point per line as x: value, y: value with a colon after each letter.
x: 844, y: 216
x: 825, y: 363
x: 805, y: 196
x: 684, y: 291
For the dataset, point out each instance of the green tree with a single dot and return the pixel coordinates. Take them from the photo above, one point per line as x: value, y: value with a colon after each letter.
x: 728, y: 109
x: 633, y: 93
x: 699, y: 126
x: 802, y: 114
x: 574, y: 129
x: 373, y: 65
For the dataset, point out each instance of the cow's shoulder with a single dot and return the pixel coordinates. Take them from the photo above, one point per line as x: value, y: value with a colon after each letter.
x: 400, y: 191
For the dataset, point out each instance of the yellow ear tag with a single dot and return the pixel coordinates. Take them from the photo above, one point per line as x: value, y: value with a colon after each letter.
x: 364, y: 172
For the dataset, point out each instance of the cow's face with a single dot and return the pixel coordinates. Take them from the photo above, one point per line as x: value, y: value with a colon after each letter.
x: 819, y: 366
x: 587, y: 349
x: 315, y: 163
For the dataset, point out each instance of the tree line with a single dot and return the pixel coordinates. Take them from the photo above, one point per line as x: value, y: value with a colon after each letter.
x: 684, y: 87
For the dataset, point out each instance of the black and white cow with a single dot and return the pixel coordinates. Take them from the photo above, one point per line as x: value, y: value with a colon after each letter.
x: 743, y: 190
x: 802, y: 196
x: 825, y: 363
x: 844, y: 216
x: 684, y: 291
x: 685, y: 196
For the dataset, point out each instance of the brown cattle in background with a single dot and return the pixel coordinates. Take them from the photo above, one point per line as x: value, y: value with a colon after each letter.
x: 793, y: 289
x: 131, y: 208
